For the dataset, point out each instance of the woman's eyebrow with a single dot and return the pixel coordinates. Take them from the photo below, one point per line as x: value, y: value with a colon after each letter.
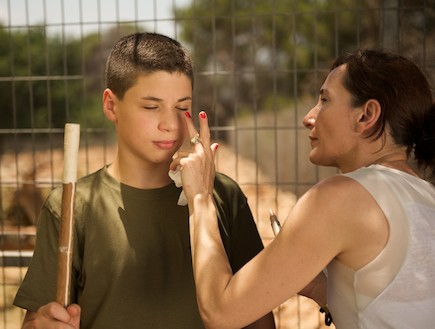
x: 323, y: 91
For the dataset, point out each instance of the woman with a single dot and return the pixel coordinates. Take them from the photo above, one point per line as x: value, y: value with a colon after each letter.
x: 372, y: 227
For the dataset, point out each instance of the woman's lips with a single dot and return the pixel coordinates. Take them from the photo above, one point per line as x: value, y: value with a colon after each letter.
x: 312, y: 139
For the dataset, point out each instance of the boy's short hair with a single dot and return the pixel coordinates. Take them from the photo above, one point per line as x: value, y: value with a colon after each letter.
x: 142, y: 53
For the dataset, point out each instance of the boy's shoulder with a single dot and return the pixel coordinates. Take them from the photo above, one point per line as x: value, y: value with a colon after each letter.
x: 227, y: 190
x: 84, y: 187
x: 91, y: 181
x: 224, y: 182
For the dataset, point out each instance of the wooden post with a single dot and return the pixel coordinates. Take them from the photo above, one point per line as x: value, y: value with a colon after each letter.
x: 66, y: 235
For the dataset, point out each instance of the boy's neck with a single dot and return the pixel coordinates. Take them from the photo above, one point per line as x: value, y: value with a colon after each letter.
x: 143, y: 178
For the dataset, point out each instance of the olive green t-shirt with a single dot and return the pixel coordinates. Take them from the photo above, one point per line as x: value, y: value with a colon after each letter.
x: 132, y: 263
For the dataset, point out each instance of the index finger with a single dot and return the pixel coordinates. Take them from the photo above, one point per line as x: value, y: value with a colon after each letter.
x: 204, y: 130
x: 204, y: 133
x: 190, y: 126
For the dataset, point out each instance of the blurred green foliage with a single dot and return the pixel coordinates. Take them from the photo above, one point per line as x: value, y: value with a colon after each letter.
x: 247, y: 55
x: 270, y: 48
x: 48, y: 80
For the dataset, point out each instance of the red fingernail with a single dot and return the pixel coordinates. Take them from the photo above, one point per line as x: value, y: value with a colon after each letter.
x: 187, y: 114
x: 203, y: 115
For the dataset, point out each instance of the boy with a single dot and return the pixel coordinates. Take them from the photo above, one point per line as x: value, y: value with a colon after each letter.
x: 132, y: 265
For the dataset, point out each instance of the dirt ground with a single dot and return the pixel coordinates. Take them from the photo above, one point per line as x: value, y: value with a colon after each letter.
x: 297, y: 313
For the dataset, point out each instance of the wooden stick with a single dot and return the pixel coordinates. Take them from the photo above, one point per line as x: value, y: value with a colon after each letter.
x: 66, y: 235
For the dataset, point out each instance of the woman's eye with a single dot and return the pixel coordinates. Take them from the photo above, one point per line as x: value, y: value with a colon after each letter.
x: 182, y: 108
x: 150, y: 107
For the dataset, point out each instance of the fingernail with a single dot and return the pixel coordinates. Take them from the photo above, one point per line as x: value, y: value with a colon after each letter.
x: 187, y: 114
x: 202, y: 115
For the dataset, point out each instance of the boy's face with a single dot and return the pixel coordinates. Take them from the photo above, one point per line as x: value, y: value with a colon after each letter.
x: 150, y: 119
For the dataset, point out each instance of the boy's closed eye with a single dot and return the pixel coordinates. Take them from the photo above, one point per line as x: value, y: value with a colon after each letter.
x: 150, y: 107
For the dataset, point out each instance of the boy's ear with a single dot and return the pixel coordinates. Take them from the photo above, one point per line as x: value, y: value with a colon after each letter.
x: 109, y: 101
x: 368, y: 116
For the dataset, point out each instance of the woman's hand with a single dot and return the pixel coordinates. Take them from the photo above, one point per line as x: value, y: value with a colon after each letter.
x: 197, y: 168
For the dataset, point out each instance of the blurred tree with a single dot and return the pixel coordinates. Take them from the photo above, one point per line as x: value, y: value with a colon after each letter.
x: 248, y: 52
x: 255, y: 49
x: 248, y: 55
x: 40, y: 78
x: 48, y: 80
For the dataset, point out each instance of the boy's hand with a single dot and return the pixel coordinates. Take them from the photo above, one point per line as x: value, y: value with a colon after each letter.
x: 53, y: 315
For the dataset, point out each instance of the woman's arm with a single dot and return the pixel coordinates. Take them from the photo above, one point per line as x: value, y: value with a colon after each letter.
x: 318, y: 229
x: 280, y: 271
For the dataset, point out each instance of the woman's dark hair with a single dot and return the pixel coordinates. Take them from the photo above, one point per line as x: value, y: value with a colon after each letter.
x: 404, y: 95
x: 141, y: 53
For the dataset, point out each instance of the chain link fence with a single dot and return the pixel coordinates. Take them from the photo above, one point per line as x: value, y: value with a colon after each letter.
x: 258, y: 67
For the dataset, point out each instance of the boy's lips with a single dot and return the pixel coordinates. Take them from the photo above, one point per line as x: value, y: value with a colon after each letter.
x: 165, y: 144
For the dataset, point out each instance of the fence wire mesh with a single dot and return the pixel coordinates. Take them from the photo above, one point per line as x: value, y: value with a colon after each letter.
x: 258, y: 67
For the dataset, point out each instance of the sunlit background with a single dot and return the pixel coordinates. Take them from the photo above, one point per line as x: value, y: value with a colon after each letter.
x: 258, y: 68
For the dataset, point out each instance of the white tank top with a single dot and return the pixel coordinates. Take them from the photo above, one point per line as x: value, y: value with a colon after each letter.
x: 396, y: 289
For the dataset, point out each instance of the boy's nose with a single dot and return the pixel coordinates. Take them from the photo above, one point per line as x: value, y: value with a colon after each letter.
x: 169, y: 120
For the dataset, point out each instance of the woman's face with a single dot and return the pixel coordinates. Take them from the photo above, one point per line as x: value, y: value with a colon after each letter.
x: 332, y: 123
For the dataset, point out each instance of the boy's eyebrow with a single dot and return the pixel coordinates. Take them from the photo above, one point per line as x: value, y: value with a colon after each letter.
x: 156, y: 99
x: 152, y: 98
x: 187, y: 98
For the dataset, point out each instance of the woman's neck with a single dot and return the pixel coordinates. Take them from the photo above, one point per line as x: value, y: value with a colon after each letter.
x: 397, y: 160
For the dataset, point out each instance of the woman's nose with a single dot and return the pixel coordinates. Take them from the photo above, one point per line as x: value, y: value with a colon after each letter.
x: 310, y: 119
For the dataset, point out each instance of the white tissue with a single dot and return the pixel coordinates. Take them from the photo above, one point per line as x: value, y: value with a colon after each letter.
x: 175, y: 175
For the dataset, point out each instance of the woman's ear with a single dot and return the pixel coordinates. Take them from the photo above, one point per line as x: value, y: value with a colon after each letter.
x: 369, y: 116
x: 109, y: 102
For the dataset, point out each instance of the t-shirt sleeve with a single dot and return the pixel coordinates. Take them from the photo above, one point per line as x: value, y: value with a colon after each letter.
x: 39, y: 284
x: 245, y: 240
x: 237, y: 226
